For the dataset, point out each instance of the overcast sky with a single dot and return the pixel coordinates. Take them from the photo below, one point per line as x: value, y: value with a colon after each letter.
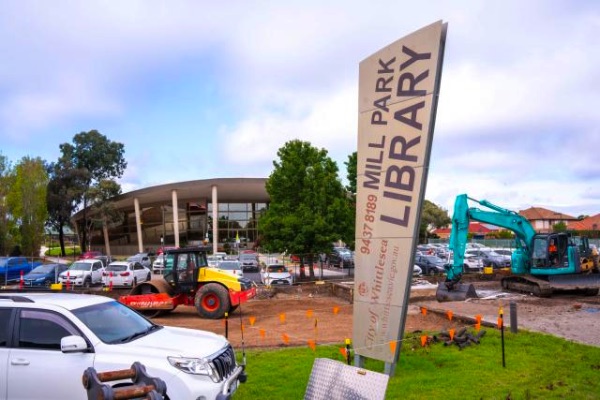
x: 196, y: 90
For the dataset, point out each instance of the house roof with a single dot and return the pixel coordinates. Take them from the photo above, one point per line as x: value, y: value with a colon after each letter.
x: 539, y: 213
x: 474, y: 227
x: 587, y: 224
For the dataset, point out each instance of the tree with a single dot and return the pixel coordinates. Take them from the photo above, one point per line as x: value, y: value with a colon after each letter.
x: 102, y: 210
x: 309, y: 208
x: 432, y: 216
x: 7, y: 241
x: 26, y: 202
x: 351, y: 167
x: 66, y: 187
x: 559, y: 227
x: 100, y: 157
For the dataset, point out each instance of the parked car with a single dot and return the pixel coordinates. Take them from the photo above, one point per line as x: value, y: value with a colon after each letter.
x: 233, y: 267
x: 472, y: 264
x: 158, y: 265
x: 125, y: 273
x: 249, y: 261
x: 54, y: 337
x: 44, y: 275
x: 341, y: 257
x: 495, y: 260
x: 417, y: 271
x: 142, y: 258
x: 430, y: 265
x: 276, y: 274
x: 90, y: 254
x: 11, y: 268
x: 213, y: 261
x: 83, y: 273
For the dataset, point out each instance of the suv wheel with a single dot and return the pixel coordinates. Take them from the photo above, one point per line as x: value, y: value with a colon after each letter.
x: 87, y: 283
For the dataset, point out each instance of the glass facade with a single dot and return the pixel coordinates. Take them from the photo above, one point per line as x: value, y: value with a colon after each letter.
x: 195, y: 225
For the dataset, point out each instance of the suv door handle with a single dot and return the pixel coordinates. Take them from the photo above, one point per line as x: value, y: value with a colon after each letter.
x: 19, y: 361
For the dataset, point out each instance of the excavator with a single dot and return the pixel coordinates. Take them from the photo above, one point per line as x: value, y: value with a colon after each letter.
x: 541, y: 264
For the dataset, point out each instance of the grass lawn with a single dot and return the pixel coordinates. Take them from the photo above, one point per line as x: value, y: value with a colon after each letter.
x: 538, y: 366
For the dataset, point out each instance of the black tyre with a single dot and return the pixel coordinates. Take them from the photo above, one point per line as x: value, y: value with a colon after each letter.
x: 212, y: 301
x: 134, y: 282
x: 431, y: 271
x: 149, y: 277
x: 87, y: 283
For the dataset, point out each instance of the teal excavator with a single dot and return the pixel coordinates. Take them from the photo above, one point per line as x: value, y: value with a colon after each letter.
x: 541, y: 264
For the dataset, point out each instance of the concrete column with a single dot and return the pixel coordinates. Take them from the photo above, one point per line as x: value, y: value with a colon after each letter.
x: 138, y: 224
x: 175, y: 217
x: 215, y: 218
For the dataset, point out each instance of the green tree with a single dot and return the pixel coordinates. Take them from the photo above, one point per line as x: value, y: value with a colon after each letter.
x: 26, y: 202
x: 7, y: 240
x: 65, y: 188
x: 432, y: 216
x: 102, y: 210
x: 351, y: 166
x: 559, y: 227
x: 309, y: 208
x: 100, y: 157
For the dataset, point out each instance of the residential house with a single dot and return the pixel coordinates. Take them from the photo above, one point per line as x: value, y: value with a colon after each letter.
x: 543, y: 220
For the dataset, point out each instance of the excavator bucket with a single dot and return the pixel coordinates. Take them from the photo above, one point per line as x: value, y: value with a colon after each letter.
x: 459, y: 292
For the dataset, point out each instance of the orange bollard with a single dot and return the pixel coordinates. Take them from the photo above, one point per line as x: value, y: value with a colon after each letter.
x: 449, y: 314
x: 312, y: 344
x: 21, y: 282
x: 451, y: 332
x: 393, y: 347
x: 423, y: 310
x: 282, y: 318
x: 252, y: 320
x: 423, y: 341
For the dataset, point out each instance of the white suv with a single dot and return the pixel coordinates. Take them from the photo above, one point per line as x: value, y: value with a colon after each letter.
x: 48, y: 340
x: 86, y: 272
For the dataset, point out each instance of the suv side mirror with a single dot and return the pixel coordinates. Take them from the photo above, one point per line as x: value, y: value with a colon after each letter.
x: 73, y: 344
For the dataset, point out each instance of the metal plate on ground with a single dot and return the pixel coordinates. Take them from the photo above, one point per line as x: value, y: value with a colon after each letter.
x: 334, y: 380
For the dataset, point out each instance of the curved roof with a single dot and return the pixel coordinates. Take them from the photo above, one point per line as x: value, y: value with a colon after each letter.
x: 229, y: 190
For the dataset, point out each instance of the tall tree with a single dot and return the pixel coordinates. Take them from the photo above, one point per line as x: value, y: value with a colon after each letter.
x: 432, y: 216
x: 103, y: 212
x: 309, y: 208
x: 7, y: 241
x: 351, y: 167
x: 100, y: 157
x: 66, y: 187
x: 27, y: 203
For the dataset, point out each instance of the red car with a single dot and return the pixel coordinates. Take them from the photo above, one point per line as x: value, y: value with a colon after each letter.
x: 90, y: 254
x: 163, y: 249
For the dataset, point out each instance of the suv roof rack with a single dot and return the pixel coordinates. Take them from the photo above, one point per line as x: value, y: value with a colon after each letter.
x: 17, y: 298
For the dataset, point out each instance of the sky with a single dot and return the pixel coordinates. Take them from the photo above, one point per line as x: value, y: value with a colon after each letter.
x: 199, y: 90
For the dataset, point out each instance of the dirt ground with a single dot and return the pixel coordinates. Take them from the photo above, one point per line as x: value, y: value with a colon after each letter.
x: 305, y: 315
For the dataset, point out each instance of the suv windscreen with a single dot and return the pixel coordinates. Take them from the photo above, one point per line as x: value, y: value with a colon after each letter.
x: 114, y: 323
x: 80, y: 267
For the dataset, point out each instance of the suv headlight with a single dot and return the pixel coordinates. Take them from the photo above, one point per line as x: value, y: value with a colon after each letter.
x: 195, y: 366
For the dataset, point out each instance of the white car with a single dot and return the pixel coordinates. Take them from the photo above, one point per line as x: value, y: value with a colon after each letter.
x: 159, y: 264
x: 417, y: 271
x: 86, y: 273
x: 276, y: 274
x: 125, y: 273
x: 142, y: 258
x: 233, y: 267
x: 55, y: 337
x: 213, y: 261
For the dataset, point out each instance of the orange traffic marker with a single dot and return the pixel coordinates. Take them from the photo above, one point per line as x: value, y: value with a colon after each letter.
x: 252, y: 320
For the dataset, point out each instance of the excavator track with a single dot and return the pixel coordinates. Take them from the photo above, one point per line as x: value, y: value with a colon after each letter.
x: 527, y: 284
x: 586, y: 284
